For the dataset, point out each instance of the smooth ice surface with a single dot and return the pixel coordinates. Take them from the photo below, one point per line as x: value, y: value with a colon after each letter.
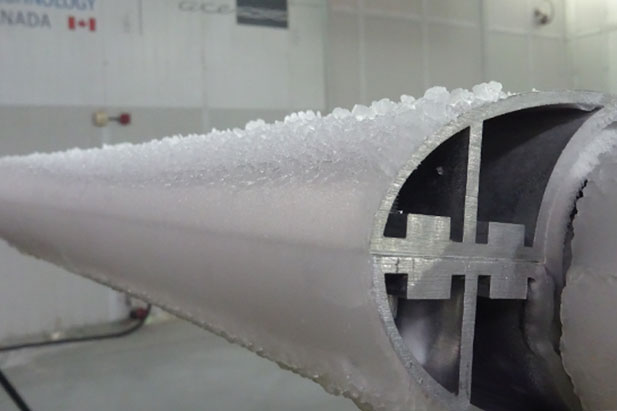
x: 260, y: 235
x: 589, y: 341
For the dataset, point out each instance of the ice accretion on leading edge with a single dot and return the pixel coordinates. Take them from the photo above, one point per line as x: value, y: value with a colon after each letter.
x: 305, y: 145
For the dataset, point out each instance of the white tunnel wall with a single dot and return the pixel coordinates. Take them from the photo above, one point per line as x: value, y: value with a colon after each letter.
x: 592, y: 37
x: 387, y: 48
x: 180, y: 72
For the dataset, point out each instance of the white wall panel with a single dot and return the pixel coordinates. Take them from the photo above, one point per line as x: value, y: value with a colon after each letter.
x: 246, y: 66
x: 509, y: 14
x: 307, y: 80
x: 153, y: 54
x: 611, y: 12
x: 146, y: 56
x: 508, y: 59
x: 254, y: 67
x: 588, y: 15
x: 43, y: 65
x: 590, y: 63
x: 467, y: 11
x: 455, y: 55
x: 592, y: 44
x: 241, y: 67
x: 394, y: 6
x: 405, y: 47
x: 345, y: 4
x: 550, y: 61
x: 394, y: 58
x: 343, y: 87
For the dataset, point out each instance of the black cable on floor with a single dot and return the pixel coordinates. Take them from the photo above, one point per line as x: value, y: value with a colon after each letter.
x: 141, y: 315
x: 13, y: 393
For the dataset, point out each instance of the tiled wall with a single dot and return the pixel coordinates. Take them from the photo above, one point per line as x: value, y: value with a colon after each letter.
x: 390, y: 47
x: 592, y: 42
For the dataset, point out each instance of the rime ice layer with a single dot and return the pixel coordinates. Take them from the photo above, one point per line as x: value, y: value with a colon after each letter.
x: 260, y: 235
x: 305, y: 146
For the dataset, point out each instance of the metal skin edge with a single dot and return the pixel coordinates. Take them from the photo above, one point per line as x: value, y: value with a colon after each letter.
x: 553, y: 212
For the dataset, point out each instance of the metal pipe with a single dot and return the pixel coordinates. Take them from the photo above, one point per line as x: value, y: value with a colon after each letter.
x: 364, y: 250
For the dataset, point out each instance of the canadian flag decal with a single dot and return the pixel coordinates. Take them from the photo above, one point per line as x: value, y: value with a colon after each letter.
x: 75, y: 23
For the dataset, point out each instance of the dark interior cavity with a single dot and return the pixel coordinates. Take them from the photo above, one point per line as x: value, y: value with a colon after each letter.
x: 506, y: 375
x: 432, y: 331
x: 518, y: 153
x: 519, y: 148
x: 436, y: 187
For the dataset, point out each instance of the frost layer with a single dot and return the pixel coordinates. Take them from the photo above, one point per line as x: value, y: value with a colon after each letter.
x: 589, y: 341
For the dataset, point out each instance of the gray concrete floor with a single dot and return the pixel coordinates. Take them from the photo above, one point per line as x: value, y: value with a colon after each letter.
x: 170, y: 365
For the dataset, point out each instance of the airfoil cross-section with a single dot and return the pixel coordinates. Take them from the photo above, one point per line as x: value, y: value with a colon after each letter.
x: 423, y: 264
x: 457, y: 256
